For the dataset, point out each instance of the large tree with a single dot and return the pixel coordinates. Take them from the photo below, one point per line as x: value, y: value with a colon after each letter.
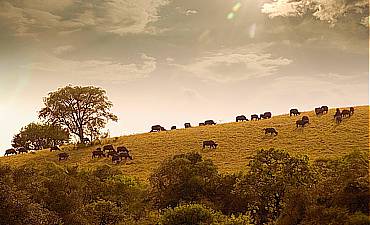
x: 82, y: 110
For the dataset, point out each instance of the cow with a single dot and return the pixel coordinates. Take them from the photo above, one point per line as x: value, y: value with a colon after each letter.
x: 254, y: 117
x: 306, y: 119
x: 294, y: 112
x: 209, y: 122
x: 325, y: 109
x: 241, y: 118
x: 337, y: 113
x: 267, y: 115
x: 10, y: 152
x: 346, y: 113
x: 54, y: 148
x: 201, y: 124
x: 262, y: 116
x: 271, y: 131
x: 108, y: 148
x: 352, y: 110
x: 22, y: 150
x: 157, y: 128
x: 63, y: 156
x: 173, y: 128
x: 111, y: 153
x: 116, y: 159
x: 338, y: 119
x: 97, y: 153
x: 125, y: 155
x: 300, y: 123
x: 122, y: 149
x: 318, y: 111
x: 187, y: 125
x: 210, y: 144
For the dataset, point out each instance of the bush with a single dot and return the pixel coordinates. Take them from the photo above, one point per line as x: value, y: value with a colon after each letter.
x: 188, y: 215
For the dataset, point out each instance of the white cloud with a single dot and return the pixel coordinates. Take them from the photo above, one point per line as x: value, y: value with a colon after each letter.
x: 190, y: 12
x: 97, y: 70
x: 330, y: 11
x: 235, y: 64
x: 63, y: 49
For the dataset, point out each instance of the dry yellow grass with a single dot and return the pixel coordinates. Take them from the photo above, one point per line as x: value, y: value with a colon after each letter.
x: 322, y: 138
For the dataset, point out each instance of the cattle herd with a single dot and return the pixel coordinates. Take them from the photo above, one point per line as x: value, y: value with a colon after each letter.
x: 121, y: 152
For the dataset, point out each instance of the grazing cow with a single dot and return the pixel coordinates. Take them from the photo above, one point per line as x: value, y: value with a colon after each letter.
x: 254, y: 117
x: 125, y: 155
x: 337, y: 113
x: 325, y: 109
x: 262, y: 116
x: 22, y: 150
x: 211, y: 144
x: 346, y: 113
x: 352, y: 110
x: 300, y: 123
x: 271, y: 131
x: 157, y: 128
x: 108, y: 148
x: 173, y: 128
x: 318, y: 111
x: 267, y: 115
x: 54, y: 148
x: 294, y: 112
x: 63, y: 156
x: 187, y: 125
x: 116, y: 159
x: 97, y: 153
x: 201, y: 124
x: 111, y: 153
x: 241, y: 118
x: 209, y: 122
x: 338, y: 119
x: 122, y: 149
x: 10, y: 152
x: 306, y: 119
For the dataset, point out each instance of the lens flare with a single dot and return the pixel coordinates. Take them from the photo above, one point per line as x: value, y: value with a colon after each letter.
x: 231, y: 15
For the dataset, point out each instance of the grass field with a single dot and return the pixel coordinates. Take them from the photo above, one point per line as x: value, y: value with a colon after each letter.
x: 322, y: 138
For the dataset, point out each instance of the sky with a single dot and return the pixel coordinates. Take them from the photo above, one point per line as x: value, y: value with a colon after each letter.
x: 174, y: 61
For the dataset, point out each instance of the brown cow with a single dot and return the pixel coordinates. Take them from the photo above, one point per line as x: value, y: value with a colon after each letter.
x: 63, y: 156
x: 173, y: 128
x: 346, y: 113
x: 300, y: 123
x: 318, y: 111
x: 116, y: 159
x: 111, y: 153
x: 352, y: 110
x: 209, y: 122
x: 157, y: 128
x: 325, y: 109
x: 271, y: 131
x: 267, y: 115
x: 108, y: 148
x: 211, y: 144
x: 122, y: 149
x: 305, y: 118
x: 241, y: 118
x: 125, y: 155
x: 294, y: 112
x: 22, y: 150
x: 338, y: 119
x: 10, y: 152
x: 187, y: 125
x: 98, y: 154
x: 254, y: 117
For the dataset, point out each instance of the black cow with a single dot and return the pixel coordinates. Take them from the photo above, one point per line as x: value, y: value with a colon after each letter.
x: 337, y: 113
x: 325, y: 109
x: 352, y: 110
x: 111, y: 153
x: 54, y: 148
x: 338, y: 119
x: 108, y: 148
x: 116, y: 159
x: 209, y: 122
x: 267, y: 115
x: 306, y: 119
x: 262, y: 116
x: 125, y: 155
x: 173, y: 128
x: 201, y: 124
x: 10, y: 152
x: 157, y: 128
x: 187, y: 125
x: 301, y: 123
x: 294, y: 112
x: 318, y: 111
x: 241, y: 118
x: 211, y: 144
x: 346, y: 113
x: 254, y: 117
x: 271, y: 131
x: 63, y: 156
x: 22, y: 150
x: 97, y: 153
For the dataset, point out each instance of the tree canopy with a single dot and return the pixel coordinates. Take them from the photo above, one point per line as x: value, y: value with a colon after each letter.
x: 84, y: 111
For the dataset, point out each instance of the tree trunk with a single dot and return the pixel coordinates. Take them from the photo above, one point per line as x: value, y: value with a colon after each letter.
x: 81, y: 135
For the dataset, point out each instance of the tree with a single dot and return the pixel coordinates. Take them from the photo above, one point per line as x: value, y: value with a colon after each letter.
x: 188, y: 214
x: 38, y: 136
x: 82, y: 110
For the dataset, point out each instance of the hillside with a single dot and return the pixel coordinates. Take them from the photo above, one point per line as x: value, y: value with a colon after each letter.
x: 322, y: 138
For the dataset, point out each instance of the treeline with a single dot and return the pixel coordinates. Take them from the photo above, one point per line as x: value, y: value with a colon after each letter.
x: 276, y: 188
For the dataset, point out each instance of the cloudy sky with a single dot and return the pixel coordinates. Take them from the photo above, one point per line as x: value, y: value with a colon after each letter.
x: 174, y: 61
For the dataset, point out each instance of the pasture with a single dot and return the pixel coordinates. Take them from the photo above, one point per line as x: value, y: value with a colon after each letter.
x: 322, y: 138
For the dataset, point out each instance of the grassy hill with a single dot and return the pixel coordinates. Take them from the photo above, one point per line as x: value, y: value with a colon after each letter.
x: 322, y: 138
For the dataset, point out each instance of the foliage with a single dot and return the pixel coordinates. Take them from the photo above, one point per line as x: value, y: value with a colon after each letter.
x: 84, y: 111
x: 193, y: 214
x: 38, y: 136
x: 184, y: 178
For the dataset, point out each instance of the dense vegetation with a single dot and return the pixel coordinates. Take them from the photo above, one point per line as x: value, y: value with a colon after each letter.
x: 277, y: 188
